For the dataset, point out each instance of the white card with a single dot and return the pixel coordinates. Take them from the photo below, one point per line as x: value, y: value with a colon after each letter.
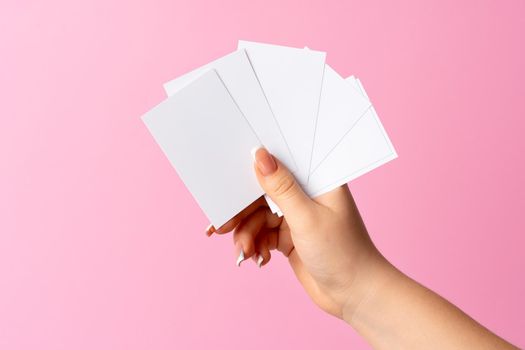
x: 291, y: 79
x: 208, y: 141
x: 341, y: 106
x: 237, y: 74
x: 365, y: 147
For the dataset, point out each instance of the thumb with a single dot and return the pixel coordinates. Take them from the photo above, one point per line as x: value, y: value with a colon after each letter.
x: 281, y: 186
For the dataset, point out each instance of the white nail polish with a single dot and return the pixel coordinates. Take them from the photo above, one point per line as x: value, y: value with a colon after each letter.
x: 240, y: 259
x: 260, y: 261
x: 253, y: 151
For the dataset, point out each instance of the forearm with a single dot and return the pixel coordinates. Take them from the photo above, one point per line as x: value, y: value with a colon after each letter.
x: 395, y: 312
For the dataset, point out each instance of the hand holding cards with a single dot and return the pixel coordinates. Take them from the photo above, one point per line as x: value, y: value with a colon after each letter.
x: 321, y: 126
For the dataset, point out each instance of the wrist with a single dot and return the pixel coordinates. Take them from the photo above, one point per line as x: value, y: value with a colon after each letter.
x: 374, y: 274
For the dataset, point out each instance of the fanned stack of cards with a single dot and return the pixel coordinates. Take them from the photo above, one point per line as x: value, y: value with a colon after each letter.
x: 320, y: 125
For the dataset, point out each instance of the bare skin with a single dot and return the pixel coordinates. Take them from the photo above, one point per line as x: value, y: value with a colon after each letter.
x: 333, y: 257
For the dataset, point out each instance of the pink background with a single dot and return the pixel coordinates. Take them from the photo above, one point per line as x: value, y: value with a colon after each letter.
x: 102, y: 247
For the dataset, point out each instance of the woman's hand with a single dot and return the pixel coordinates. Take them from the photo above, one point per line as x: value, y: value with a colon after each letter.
x: 333, y: 257
x: 324, y: 239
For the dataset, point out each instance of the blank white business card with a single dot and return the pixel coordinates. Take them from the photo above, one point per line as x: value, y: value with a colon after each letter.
x: 208, y: 141
x: 341, y: 106
x: 236, y: 72
x: 365, y: 147
x: 291, y: 79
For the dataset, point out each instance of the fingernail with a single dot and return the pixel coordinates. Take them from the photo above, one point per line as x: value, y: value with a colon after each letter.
x: 209, y: 230
x: 240, y: 257
x: 253, y: 151
x: 264, y: 161
x: 260, y: 261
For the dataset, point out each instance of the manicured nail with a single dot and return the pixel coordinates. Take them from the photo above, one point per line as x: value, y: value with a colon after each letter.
x: 240, y: 257
x: 209, y: 230
x: 260, y: 261
x: 253, y: 151
x: 265, y: 162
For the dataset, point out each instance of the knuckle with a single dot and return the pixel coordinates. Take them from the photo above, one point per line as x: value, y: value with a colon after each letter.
x: 285, y: 187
